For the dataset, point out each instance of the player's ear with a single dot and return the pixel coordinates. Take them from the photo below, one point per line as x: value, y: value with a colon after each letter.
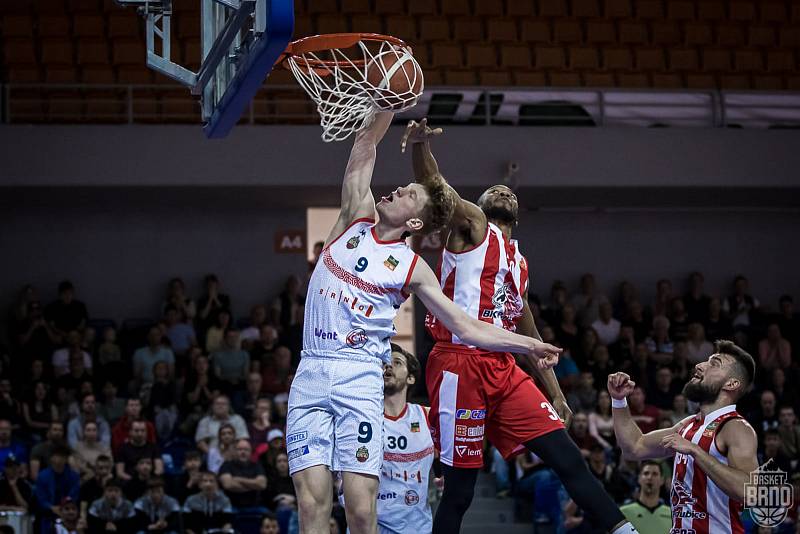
x: 732, y: 384
x: 415, y: 224
x: 411, y: 380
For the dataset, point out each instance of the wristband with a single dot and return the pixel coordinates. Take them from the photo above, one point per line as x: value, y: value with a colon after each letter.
x: 619, y: 403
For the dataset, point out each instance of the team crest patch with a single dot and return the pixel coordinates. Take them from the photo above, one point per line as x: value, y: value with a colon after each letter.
x: 415, y: 427
x: 412, y: 497
x: 353, y: 242
x: 709, y: 431
x: 362, y: 454
x: 391, y: 263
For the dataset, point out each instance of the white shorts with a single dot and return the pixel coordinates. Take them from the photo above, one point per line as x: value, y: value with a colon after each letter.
x: 336, y: 415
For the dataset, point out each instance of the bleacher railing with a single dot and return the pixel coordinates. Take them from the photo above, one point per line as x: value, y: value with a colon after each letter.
x: 287, y: 104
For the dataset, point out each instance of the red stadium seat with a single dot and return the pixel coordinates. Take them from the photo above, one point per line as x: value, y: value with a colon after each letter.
x: 98, y: 74
x: 125, y: 24
x: 665, y: 33
x: 761, y: 35
x: 515, y: 56
x: 766, y: 82
x: 19, y: 51
x: 481, y: 55
x: 402, y: 26
x: 552, y: 8
x: 128, y: 52
x: 649, y: 9
x: 666, y: 80
x: 519, y: 8
x: 717, y: 59
x: 742, y: 10
x: 131, y: 74
x: 563, y: 78
x: 700, y: 80
x: 446, y: 55
x: 536, y: 31
x: 421, y: 7
x: 748, y: 60
x: 529, y: 78
x: 683, y: 59
x: 331, y: 23
x: 632, y: 32
x: 367, y: 23
x: 54, y: 26
x: 494, y: 77
x: 60, y: 74
x: 88, y: 25
x: 617, y: 58
x: 600, y: 31
x: 790, y: 36
x: 550, y: 57
x: 434, y: 29
x: 352, y: 7
x: 734, y: 82
x: 489, y: 8
x: 599, y: 79
x: 468, y: 29
x: 421, y: 54
x: 390, y: 7
x: 633, y: 80
x: 567, y: 31
x: 501, y: 29
x: 583, y: 58
x: 88, y: 6
x: 585, y: 8
x: 433, y: 77
x: 680, y: 10
x: 57, y: 52
x: 188, y: 25
x: 730, y: 34
x: 618, y: 9
x: 771, y: 11
x: 65, y: 106
x: 650, y: 59
x: 711, y: 10
x: 93, y: 51
x: 455, y: 7
x: 464, y: 77
x: 780, y: 60
x: 316, y: 7
x: 23, y: 73
x: 698, y: 33
x: 17, y: 26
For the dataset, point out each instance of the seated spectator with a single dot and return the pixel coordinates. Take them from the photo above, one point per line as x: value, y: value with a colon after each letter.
x: 695, y: 300
x: 181, y: 335
x: 88, y: 450
x: 648, y: 513
x: 789, y: 432
x: 134, y: 449
x: 112, y: 512
x: 67, y: 313
x: 258, y: 318
x: 260, y: 425
x: 142, y: 474
x: 177, y: 297
x: 109, y: 353
x: 113, y: 407
x: 208, y: 509
x: 215, y: 335
x: 16, y: 494
x: 72, y: 522
x: 162, y: 402
x: 133, y: 412
x: 579, y: 432
x: 38, y: 411
x: 661, y: 305
x: 269, y: 524
x: 60, y: 359
x: 774, y: 351
x: 231, y: 363
x: 642, y: 369
x: 277, y: 371
x: 622, y: 350
x: 681, y: 367
x: 537, y: 481
x: 639, y: 321
x: 10, y: 408
x: 276, y: 444
x: 789, y: 323
x: 35, y: 335
x: 765, y: 417
x: 587, y: 301
x: 224, y: 450
x: 40, y: 454
x: 588, y: 342
x: 212, y: 304
x: 583, y: 397
x: 156, y: 511
x: 280, y: 492
x: 146, y: 357
x: 244, y: 400
x: 88, y: 406
x: 77, y: 376
x: 664, y: 389
x: 287, y: 312
x: 566, y: 330
x: 741, y: 305
x: 551, y: 311
x: 92, y: 489
x: 10, y: 447
x: 699, y: 349
x: 188, y: 482
x: 55, y: 483
x: 601, y: 365
x: 679, y: 320
x: 659, y: 344
x: 265, y: 345
x: 680, y: 409
x: 785, y: 395
x: 717, y: 326
x: 773, y: 450
x: 606, y: 326
x: 601, y: 423
x: 208, y: 428
x: 201, y: 387
x: 243, y: 479
x: 645, y: 415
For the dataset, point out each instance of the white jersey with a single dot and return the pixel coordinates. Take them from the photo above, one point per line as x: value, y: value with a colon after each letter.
x: 486, y: 281
x: 407, y: 460
x: 354, y: 293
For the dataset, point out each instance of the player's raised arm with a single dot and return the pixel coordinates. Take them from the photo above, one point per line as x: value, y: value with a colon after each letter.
x: 419, y: 135
x: 634, y: 444
x: 357, y: 199
x: 487, y: 336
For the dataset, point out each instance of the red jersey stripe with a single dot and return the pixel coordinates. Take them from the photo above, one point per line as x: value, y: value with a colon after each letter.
x: 491, y: 265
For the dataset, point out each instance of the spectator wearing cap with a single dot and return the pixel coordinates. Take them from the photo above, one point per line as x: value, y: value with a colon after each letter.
x: 92, y: 489
x: 208, y: 509
x: 243, y: 479
x: 53, y: 485
x: 10, y: 447
x: 121, y: 431
x: 40, y: 454
x: 88, y: 450
x: 156, y: 511
x: 16, y: 493
x: 224, y: 450
x: 231, y: 363
x: 71, y: 520
x: 88, y: 413
x: 67, y: 313
x: 112, y: 512
x: 208, y: 429
x: 135, y: 448
x: 60, y: 359
x: 146, y: 357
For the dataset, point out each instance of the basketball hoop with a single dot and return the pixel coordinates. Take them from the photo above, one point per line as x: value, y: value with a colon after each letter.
x: 351, y: 76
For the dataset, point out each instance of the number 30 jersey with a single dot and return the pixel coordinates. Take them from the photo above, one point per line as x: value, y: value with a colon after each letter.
x: 407, y: 460
x: 354, y: 294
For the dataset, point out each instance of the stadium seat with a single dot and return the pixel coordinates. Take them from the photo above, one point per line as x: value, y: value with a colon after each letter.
x: 318, y: 7
x: 710, y: 10
x: 795, y: 12
x: 97, y: 74
x: 730, y: 35
x: 650, y: 59
x: 494, y: 77
x: 64, y: 106
x: 303, y: 26
x: 515, y: 56
x: 433, y: 77
x: 464, y: 77
x: 683, y: 59
x: 585, y: 8
x: 389, y: 7
x: 665, y: 33
x: 501, y: 29
x: 489, y: 8
x: 790, y: 36
x: 552, y: 8
x: 54, y: 26
x: 434, y: 29
x: 180, y: 106
x: 123, y: 25
x: 331, y: 23
x: 93, y: 51
x: 618, y: 9
x: 700, y: 80
x: 481, y: 55
x: 617, y: 58
x: 564, y: 78
x: 188, y: 25
x: 128, y: 52
x: 88, y: 25
x: 367, y: 23
x: 19, y: 51
x: 600, y: 31
x: 761, y: 35
x: 780, y: 60
x: 106, y: 106
x: 57, y: 52
x: 131, y: 74
x: 567, y: 31
x: 192, y: 51
x: 455, y: 7
x: 354, y: 7
x: 529, y: 78
x: 49, y: 7
x: 734, y: 82
x: 446, y: 55
x: 793, y: 83
x: 666, y: 80
x: 23, y: 73
x: 765, y: 82
x: 717, y: 59
x: 402, y: 26
x: 632, y: 32
x: 583, y: 58
x: 536, y: 31
x: 519, y: 8
x: 633, y: 80
x: 748, y: 60
x: 698, y: 33
x: 649, y: 9
x: 549, y: 57
x: 88, y: 6
x: 742, y: 10
x: 421, y: 54
x: 598, y: 79
x: 17, y: 26
x: 771, y: 11
x: 680, y: 10
x: 421, y: 7
x: 60, y: 74
x: 468, y: 29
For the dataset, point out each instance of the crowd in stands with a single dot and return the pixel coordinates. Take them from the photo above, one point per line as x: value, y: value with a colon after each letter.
x: 178, y: 423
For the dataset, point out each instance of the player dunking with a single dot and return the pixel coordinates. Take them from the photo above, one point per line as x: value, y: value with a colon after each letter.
x: 714, y: 451
x: 365, y: 272
x: 475, y: 391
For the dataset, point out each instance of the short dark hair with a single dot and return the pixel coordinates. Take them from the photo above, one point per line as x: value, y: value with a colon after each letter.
x: 103, y: 458
x: 65, y: 285
x: 193, y: 455
x: 744, y: 362
x: 113, y: 482
x: 155, y: 482
x: 412, y: 363
x: 60, y: 451
x: 786, y: 298
x: 772, y: 432
x: 268, y: 515
x: 170, y: 308
x: 654, y: 463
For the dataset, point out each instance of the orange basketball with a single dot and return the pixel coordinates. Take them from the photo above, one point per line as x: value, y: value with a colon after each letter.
x: 396, y: 78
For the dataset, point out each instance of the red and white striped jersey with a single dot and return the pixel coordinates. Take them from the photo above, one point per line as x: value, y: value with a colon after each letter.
x: 486, y: 281
x: 699, y: 506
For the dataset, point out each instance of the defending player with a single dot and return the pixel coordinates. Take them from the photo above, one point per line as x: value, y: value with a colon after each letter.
x: 365, y: 272
x: 472, y: 389
x: 715, y: 451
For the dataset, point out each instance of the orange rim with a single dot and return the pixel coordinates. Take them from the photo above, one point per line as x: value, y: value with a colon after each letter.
x: 329, y: 41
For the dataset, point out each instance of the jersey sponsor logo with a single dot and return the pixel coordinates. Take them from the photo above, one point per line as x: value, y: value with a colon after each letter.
x: 709, y: 431
x: 356, y: 338
x: 500, y: 296
x: 464, y: 450
x: 298, y: 452
x: 350, y: 301
x: 682, y: 531
x: 353, y: 242
x: 298, y: 437
x: 470, y: 414
x: 683, y: 502
x: 468, y: 440
x: 362, y: 454
x: 415, y: 426
x: 391, y: 263
x: 412, y: 498
x: 470, y: 431
x: 323, y: 334
x: 387, y: 496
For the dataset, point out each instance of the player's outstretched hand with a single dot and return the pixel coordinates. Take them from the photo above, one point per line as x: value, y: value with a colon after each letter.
x: 546, y: 354
x: 620, y: 385
x: 418, y: 132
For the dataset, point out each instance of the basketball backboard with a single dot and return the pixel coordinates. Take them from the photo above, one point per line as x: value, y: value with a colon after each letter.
x: 241, y: 40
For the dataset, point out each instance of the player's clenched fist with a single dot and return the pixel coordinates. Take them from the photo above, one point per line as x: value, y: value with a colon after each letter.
x: 620, y: 385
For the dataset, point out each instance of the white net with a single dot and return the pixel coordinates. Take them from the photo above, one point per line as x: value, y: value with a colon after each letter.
x: 349, y: 90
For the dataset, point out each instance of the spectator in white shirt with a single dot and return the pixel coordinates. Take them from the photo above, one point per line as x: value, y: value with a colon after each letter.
x: 606, y: 326
x: 258, y: 318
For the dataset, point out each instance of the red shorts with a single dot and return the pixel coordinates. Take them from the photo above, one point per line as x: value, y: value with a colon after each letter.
x: 475, y: 393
